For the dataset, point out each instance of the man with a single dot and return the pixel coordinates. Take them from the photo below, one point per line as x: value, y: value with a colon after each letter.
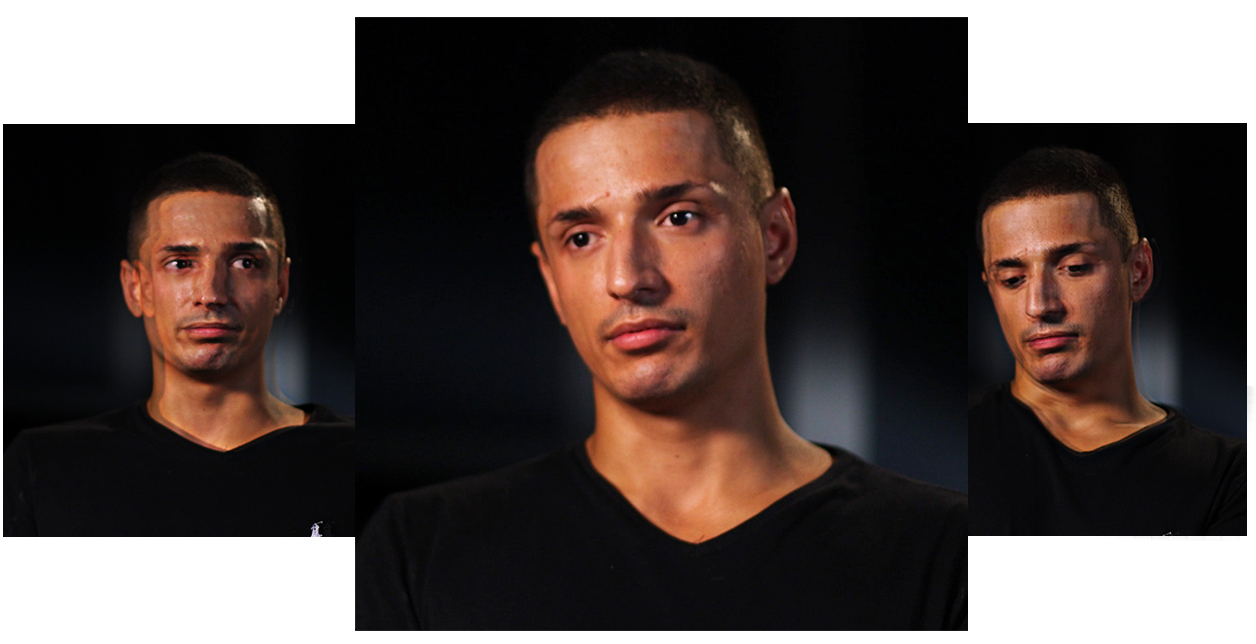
x: 212, y: 451
x: 1070, y: 446
x: 693, y: 504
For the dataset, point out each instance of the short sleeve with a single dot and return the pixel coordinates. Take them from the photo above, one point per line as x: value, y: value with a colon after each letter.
x: 19, y: 513
x: 385, y: 601
x: 1232, y: 519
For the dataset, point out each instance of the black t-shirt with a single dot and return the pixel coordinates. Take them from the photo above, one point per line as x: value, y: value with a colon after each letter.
x: 550, y: 544
x: 1167, y: 478
x: 124, y: 474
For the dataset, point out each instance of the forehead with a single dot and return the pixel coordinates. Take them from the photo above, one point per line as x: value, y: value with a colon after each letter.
x: 204, y: 217
x: 621, y: 155
x: 1033, y: 225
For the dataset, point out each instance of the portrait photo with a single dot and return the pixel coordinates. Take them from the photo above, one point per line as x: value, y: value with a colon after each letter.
x: 465, y: 364
x: 1106, y: 338
x: 199, y: 281
x: 482, y: 348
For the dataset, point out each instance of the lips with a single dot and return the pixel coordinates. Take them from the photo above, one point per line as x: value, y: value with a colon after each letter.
x: 643, y: 334
x: 1050, y: 341
x: 210, y: 330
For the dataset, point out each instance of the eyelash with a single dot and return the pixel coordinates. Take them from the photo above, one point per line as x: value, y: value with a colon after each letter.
x: 1082, y: 269
x: 693, y: 215
x: 569, y: 241
x: 255, y: 264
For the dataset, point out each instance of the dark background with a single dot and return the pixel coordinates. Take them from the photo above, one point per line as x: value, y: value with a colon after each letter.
x: 71, y: 348
x: 465, y: 367
x: 1187, y: 185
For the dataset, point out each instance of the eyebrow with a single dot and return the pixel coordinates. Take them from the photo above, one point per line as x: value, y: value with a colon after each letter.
x: 649, y: 195
x: 1053, y: 253
x: 234, y: 247
x: 246, y: 247
x: 669, y: 192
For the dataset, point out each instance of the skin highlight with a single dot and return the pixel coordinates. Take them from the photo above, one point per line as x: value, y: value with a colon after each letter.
x: 643, y: 223
x: 207, y: 285
x: 1064, y: 296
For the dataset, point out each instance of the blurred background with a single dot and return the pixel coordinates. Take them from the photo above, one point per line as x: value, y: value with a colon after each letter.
x: 1188, y: 188
x: 465, y: 367
x: 71, y: 347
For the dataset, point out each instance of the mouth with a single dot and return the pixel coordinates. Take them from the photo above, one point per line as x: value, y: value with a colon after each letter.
x: 643, y: 334
x: 210, y: 330
x: 1050, y: 341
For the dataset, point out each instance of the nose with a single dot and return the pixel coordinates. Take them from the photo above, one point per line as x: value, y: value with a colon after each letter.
x: 1044, y: 303
x: 633, y: 267
x: 213, y: 285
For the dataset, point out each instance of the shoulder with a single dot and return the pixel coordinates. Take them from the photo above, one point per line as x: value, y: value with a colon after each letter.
x: 104, y: 426
x: 891, y: 498
x: 992, y: 411
x: 493, y: 494
x: 1196, y: 441
x: 1184, y: 430
x: 984, y: 397
x: 990, y: 406
x: 322, y: 431
x: 325, y: 416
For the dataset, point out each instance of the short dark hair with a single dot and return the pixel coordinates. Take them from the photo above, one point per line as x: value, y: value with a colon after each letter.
x: 201, y: 172
x: 644, y: 82
x: 1052, y: 171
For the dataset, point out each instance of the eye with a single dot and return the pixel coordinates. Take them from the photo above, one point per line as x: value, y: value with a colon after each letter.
x: 579, y: 240
x: 1013, y: 282
x: 1079, y: 269
x: 179, y: 264
x: 246, y: 262
x: 681, y: 217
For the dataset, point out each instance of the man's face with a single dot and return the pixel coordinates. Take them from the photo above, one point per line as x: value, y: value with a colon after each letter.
x: 1060, y: 285
x: 208, y: 282
x: 652, y: 254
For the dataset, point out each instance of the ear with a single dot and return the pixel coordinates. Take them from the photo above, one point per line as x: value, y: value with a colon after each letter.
x: 542, y: 262
x: 284, y: 268
x: 780, y: 235
x: 132, y: 292
x: 1141, y: 270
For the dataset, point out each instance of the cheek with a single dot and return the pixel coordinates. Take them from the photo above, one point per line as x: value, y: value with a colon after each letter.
x: 1006, y: 307
x: 729, y: 278
x: 574, y: 291
x: 1107, y: 306
x: 161, y: 296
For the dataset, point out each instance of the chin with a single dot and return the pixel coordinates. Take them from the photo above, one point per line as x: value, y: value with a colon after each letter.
x: 655, y: 389
x: 1050, y: 370
x: 213, y: 363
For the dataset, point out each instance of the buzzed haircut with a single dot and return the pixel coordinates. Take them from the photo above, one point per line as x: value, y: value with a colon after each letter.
x: 1053, y: 171
x: 195, y: 173
x: 645, y: 82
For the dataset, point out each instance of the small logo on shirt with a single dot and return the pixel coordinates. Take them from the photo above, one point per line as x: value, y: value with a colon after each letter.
x: 314, y: 529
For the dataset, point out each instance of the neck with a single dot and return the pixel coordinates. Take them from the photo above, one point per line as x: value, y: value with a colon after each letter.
x: 1086, y: 413
x: 219, y: 412
x: 718, y: 456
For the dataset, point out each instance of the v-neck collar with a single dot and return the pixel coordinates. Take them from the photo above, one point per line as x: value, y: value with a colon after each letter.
x: 171, y: 437
x: 1137, y: 437
x: 737, y: 533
